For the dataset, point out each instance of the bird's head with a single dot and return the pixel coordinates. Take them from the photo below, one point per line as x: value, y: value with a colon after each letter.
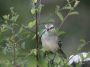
x: 50, y: 27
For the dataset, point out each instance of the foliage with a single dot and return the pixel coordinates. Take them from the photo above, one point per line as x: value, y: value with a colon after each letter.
x: 17, y: 41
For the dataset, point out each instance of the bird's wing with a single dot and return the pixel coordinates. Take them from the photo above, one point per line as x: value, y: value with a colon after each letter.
x: 60, y: 43
x: 60, y: 50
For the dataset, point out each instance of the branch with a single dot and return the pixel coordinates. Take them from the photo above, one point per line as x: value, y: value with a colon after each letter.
x: 64, y: 19
x: 66, y: 15
x: 14, y: 51
x: 67, y: 4
x: 37, y: 15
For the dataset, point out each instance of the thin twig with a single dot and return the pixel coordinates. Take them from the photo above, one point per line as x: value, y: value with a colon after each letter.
x: 64, y: 19
x: 66, y: 15
x: 37, y: 39
x: 28, y: 29
x: 14, y: 51
x: 14, y: 55
x: 66, y: 5
x: 39, y: 12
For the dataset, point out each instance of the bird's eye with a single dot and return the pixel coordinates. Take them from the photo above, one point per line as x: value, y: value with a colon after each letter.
x: 50, y: 28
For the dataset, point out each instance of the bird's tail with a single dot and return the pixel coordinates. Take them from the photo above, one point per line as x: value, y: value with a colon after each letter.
x: 62, y: 53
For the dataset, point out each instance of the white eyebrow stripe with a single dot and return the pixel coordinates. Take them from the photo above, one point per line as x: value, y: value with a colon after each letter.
x: 50, y: 28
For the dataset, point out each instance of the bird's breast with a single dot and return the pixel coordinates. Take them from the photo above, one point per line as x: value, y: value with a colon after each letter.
x: 50, y: 43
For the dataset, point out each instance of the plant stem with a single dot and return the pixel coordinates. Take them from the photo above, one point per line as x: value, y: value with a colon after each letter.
x: 66, y: 15
x: 67, y: 4
x: 37, y: 43
x: 14, y: 55
x: 64, y: 19
x: 14, y: 52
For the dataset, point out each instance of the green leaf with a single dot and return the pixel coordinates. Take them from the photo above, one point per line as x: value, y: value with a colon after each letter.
x: 83, y: 43
x: 60, y: 16
x: 5, y: 50
x: 60, y: 32
x: 6, y: 17
x: 76, y: 3
x: 69, y: 4
x: 88, y: 56
x: 58, y: 13
x: 12, y: 10
x: 57, y: 59
x: 34, y: 37
x: 31, y: 24
x: 73, y: 13
x: 14, y: 18
x: 31, y: 61
x: 34, y: 1
x: 6, y: 27
x: 68, y: 7
x: 34, y: 52
x: 33, y: 10
x: 23, y: 45
x: 20, y: 30
x: 43, y: 62
x: 40, y: 8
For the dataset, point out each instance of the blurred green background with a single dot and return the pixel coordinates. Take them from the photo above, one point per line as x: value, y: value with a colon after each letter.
x: 76, y: 27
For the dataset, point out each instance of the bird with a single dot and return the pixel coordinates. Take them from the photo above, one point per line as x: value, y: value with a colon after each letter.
x: 50, y: 40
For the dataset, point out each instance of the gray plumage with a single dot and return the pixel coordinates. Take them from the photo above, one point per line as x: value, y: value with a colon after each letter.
x: 50, y: 40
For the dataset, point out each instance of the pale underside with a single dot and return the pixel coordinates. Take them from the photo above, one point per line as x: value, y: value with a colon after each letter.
x: 50, y: 42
